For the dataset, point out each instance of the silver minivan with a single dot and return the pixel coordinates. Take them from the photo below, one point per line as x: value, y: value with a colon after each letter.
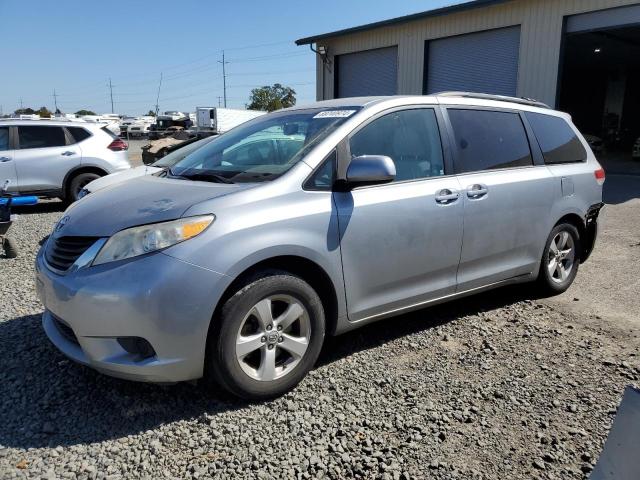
x: 237, y: 261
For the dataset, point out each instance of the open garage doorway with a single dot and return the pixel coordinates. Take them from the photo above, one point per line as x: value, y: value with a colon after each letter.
x: 600, y: 83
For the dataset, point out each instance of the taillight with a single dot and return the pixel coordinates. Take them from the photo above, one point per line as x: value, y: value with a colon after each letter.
x: 599, y: 176
x: 118, y: 145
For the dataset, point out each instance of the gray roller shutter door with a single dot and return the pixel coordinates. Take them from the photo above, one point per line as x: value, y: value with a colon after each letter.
x: 483, y: 62
x: 372, y: 72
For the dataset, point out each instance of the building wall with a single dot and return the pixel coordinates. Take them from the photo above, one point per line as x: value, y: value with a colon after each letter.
x: 540, y: 42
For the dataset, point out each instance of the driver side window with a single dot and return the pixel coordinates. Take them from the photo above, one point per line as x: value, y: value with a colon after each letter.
x: 411, y: 138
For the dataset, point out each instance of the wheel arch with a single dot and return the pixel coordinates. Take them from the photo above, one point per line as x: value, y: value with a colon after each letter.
x: 71, y: 174
x: 586, y: 243
x: 303, y: 267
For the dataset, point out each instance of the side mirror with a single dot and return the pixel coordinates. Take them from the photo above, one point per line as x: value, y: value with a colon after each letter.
x: 370, y: 170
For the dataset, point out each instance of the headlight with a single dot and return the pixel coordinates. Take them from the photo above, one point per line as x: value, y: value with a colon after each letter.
x: 149, y: 238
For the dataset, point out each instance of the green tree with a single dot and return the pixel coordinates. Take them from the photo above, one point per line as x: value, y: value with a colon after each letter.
x: 151, y: 113
x: 44, y: 112
x: 24, y: 111
x: 82, y: 113
x: 272, y: 98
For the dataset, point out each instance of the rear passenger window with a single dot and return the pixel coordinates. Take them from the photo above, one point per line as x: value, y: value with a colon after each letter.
x: 38, y: 136
x: 557, y: 140
x: 487, y: 140
x: 78, y: 133
x: 409, y: 137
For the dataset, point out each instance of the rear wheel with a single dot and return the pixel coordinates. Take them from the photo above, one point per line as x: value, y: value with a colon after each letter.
x: 268, y: 336
x: 560, y: 260
x: 78, y: 183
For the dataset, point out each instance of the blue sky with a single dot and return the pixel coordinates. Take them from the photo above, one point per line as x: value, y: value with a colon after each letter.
x: 75, y: 46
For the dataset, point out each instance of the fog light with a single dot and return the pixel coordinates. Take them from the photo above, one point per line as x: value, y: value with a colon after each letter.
x: 137, y: 346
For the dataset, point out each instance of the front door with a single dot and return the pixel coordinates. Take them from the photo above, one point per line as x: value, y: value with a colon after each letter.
x: 400, y: 242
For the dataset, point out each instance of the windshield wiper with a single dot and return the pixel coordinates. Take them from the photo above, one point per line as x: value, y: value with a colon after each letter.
x: 206, y: 177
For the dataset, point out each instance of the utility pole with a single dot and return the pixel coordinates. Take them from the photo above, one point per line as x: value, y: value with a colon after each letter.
x: 219, y: 101
x: 224, y: 78
x: 55, y: 99
x: 20, y: 103
x: 158, y: 96
x: 111, y: 94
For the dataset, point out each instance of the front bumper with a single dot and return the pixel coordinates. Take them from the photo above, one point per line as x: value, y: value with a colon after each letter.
x: 163, y: 300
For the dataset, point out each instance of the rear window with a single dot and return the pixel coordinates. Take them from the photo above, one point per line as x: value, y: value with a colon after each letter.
x: 109, y: 132
x: 32, y: 136
x: 557, y: 140
x: 487, y: 140
x: 78, y: 133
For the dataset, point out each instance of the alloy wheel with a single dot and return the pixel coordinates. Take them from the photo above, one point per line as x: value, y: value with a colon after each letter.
x: 273, y: 337
x: 561, y: 257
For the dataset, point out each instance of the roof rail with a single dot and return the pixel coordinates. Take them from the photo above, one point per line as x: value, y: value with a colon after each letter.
x: 500, y: 98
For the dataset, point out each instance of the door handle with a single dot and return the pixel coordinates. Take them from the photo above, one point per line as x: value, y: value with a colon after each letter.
x: 447, y: 196
x: 477, y: 190
x: 5, y: 159
x: 68, y: 153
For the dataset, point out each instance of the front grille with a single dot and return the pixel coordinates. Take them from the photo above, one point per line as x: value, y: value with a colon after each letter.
x: 65, y: 330
x: 62, y: 252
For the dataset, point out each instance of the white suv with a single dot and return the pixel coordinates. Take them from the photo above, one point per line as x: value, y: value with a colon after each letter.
x: 52, y: 158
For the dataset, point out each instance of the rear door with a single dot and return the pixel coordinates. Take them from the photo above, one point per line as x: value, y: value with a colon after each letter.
x: 44, y: 157
x: 507, y: 195
x: 7, y: 164
x: 400, y: 242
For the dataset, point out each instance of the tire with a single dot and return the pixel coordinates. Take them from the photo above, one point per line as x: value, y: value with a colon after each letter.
x: 272, y: 298
x: 77, y: 183
x: 10, y: 247
x: 560, y: 259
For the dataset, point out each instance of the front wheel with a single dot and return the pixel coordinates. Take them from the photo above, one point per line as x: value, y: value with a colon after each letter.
x: 560, y: 260
x: 267, y: 337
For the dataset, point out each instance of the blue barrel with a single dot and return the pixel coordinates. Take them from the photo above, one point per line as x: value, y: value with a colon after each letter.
x: 20, y: 201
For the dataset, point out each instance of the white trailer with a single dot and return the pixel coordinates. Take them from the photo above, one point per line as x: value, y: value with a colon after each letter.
x: 217, y: 120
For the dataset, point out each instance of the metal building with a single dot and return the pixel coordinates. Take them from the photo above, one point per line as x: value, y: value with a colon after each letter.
x: 582, y: 56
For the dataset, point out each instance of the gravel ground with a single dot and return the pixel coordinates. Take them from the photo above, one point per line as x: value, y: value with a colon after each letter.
x: 495, y: 386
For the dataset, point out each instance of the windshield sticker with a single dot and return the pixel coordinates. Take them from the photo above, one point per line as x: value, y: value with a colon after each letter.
x: 334, y: 114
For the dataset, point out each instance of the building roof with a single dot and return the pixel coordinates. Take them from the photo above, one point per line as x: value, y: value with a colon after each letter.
x: 460, y: 7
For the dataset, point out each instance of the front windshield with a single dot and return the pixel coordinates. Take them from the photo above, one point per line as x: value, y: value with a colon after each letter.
x: 174, y: 157
x: 262, y: 149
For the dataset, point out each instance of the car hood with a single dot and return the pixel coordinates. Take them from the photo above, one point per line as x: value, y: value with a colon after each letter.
x: 108, y: 180
x: 139, y: 201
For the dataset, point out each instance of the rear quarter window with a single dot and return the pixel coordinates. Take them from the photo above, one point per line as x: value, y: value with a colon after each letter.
x: 557, y: 140
x: 78, y: 134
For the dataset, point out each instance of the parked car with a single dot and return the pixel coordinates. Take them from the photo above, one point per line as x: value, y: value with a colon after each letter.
x: 236, y: 263
x: 138, y: 129
x: 635, y: 152
x: 165, y: 162
x: 57, y: 158
x: 596, y: 143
